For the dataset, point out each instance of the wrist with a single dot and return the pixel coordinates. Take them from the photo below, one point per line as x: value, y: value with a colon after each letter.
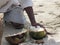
x: 33, y: 24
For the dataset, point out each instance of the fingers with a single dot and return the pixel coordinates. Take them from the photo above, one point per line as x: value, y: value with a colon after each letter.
x: 40, y: 25
x: 37, y: 24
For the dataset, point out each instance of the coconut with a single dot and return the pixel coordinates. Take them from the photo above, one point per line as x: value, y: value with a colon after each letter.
x: 3, y: 2
x: 37, y: 33
x: 15, y: 39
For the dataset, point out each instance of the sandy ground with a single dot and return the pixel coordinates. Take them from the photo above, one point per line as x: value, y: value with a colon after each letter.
x: 47, y: 12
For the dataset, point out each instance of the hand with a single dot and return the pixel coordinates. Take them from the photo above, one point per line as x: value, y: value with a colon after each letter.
x: 37, y: 24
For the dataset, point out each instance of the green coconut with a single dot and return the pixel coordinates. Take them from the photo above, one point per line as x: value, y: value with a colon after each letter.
x: 37, y: 34
x: 17, y: 38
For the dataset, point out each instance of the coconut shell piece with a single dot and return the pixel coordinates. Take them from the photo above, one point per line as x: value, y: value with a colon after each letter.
x: 16, y: 38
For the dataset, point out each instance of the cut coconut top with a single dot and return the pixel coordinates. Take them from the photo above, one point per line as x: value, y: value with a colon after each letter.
x: 23, y: 31
x: 19, y: 33
x: 36, y: 29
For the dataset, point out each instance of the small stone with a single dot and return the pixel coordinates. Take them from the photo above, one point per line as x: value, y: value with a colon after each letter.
x: 40, y: 5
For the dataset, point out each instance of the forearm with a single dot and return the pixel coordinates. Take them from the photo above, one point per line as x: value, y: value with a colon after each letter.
x: 29, y: 11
